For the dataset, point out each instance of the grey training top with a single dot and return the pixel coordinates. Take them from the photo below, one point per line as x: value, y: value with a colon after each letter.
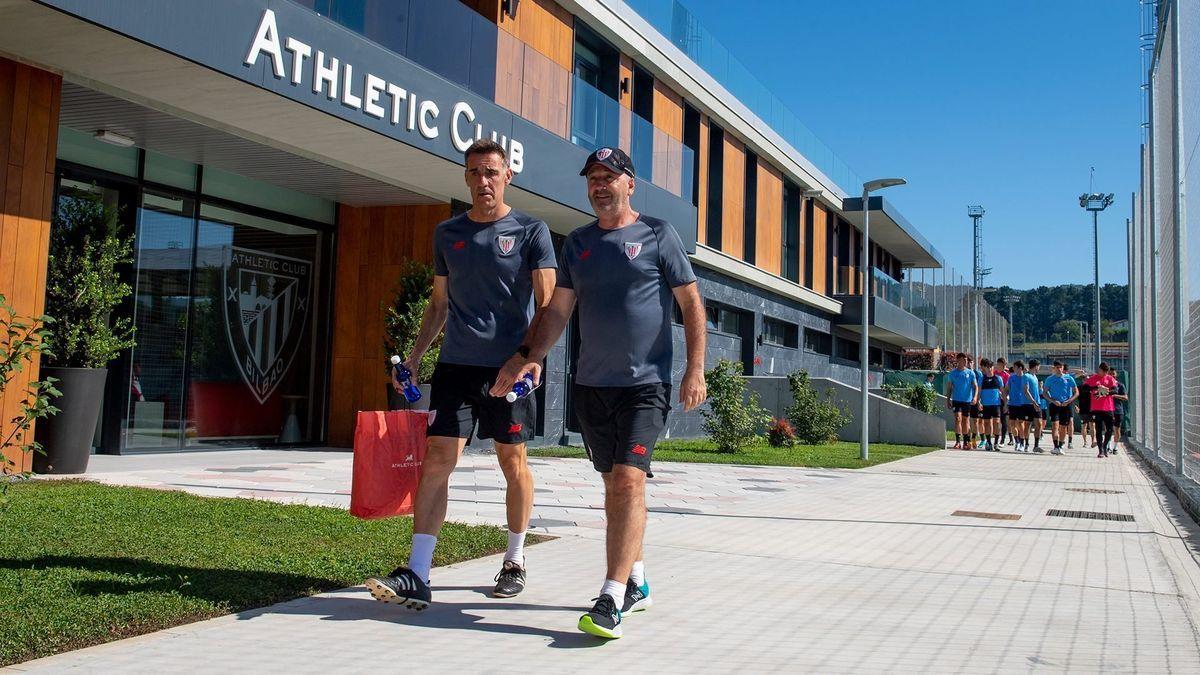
x: 489, y: 269
x: 622, y: 281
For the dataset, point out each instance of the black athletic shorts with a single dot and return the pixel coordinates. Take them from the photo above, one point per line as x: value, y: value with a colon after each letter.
x: 1027, y: 412
x: 1118, y: 420
x: 976, y: 412
x: 990, y: 412
x: 621, y: 424
x: 1061, y: 414
x: 1085, y: 417
x: 963, y: 407
x: 459, y: 398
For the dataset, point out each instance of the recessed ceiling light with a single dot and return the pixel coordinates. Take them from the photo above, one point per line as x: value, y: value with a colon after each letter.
x: 113, y: 138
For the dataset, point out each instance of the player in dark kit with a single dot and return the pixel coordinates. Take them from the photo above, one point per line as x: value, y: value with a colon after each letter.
x: 492, y: 266
x: 624, y: 270
x: 991, y: 388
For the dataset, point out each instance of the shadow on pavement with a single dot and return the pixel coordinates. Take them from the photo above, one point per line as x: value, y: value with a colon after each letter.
x: 442, y: 615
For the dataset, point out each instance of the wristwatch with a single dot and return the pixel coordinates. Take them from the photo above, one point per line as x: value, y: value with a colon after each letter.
x: 523, y: 350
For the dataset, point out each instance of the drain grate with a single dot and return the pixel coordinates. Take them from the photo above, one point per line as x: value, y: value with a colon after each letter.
x: 990, y: 516
x: 1095, y: 491
x: 1090, y: 515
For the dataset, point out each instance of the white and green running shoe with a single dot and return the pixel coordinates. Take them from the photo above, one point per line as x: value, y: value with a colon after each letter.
x: 637, y: 598
x: 604, y: 620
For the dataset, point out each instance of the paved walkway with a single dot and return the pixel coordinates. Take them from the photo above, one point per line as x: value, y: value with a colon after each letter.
x: 752, y: 569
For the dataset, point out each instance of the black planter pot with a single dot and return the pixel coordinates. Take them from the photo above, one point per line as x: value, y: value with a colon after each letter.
x: 66, y: 438
x: 396, y: 400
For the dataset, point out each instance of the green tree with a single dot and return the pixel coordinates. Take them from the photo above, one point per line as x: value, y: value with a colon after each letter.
x: 814, y: 419
x: 732, y: 418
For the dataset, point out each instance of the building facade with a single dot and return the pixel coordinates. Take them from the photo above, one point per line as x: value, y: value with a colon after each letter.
x: 279, y: 161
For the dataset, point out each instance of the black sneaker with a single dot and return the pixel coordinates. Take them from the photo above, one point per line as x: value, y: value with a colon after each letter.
x: 637, y: 598
x: 510, y: 580
x: 604, y: 620
x: 402, y: 587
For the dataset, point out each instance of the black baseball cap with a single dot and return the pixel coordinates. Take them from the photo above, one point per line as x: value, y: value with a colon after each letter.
x: 613, y: 158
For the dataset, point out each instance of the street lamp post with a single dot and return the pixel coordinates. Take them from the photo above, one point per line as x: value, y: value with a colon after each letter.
x: 1096, y: 202
x: 863, y: 347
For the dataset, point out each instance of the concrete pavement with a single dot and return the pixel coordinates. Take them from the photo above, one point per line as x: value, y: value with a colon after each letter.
x: 752, y: 568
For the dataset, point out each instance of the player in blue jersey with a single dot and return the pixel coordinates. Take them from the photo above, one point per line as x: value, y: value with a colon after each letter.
x: 962, y: 394
x: 990, y: 387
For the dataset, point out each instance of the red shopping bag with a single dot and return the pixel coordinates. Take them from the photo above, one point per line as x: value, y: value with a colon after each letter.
x: 388, y: 450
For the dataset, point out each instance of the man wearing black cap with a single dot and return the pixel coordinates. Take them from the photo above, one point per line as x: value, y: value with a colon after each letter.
x: 623, y: 270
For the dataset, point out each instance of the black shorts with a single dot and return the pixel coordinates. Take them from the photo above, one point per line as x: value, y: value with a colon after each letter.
x: 621, y: 424
x: 962, y: 407
x: 459, y: 398
x: 1118, y: 420
x: 1085, y: 416
x: 1061, y: 414
x: 1026, y: 412
x: 976, y: 412
x: 990, y: 412
x: 1043, y: 413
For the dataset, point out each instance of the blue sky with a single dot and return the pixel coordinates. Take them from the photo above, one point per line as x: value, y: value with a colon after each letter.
x: 1001, y: 103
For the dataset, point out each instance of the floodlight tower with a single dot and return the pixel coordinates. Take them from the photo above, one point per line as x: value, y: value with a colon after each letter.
x: 1096, y: 202
x: 975, y: 213
x: 1011, y: 299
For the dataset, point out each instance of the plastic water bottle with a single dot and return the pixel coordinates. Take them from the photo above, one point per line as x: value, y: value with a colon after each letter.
x: 412, y: 393
x: 521, y: 389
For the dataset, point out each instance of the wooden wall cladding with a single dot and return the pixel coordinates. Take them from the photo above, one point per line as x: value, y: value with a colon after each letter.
x: 768, y: 239
x: 29, y: 101
x: 545, y: 26
x: 820, y: 248
x: 668, y: 111
x: 733, y: 197
x: 531, y: 84
x: 373, y: 243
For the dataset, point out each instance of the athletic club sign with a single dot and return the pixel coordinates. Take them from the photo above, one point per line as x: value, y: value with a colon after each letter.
x: 381, y: 99
x: 266, y: 307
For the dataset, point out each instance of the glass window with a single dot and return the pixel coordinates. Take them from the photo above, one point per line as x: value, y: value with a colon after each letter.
x: 162, y: 278
x: 253, y: 371
x: 81, y: 148
x: 780, y: 333
x: 237, y: 188
x: 847, y: 349
x: 712, y: 316
x: 170, y: 171
x: 816, y: 341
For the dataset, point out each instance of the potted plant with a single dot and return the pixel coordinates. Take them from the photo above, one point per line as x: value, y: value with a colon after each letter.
x: 24, y: 339
x: 402, y: 323
x: 83, y: 287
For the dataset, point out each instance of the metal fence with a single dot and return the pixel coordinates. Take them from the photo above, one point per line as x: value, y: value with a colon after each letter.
x: 1164, y: 271
x: 947, y: 300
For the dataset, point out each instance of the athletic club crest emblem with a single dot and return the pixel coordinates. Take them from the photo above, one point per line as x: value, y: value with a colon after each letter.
x: 505, y: 244
x: 266, y: 309
x: 603, y: 153
x: 632, y: 249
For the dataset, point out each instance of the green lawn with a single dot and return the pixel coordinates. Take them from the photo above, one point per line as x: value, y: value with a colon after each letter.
x: 83, y: 563
x: 839, y: 455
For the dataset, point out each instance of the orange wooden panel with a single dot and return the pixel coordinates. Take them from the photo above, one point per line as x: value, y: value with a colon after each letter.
x: 20, y: 115
x: 545, y: 93
x: 768, y: 212
x: 510, y: 55
x: 341, y: 402
x: 625, y: 74
x: 702, y: 197
x: 545, y: 26
x: 733, y: 200
x: 668, y: 110
x: 625, y: 129
x: 819, y: 247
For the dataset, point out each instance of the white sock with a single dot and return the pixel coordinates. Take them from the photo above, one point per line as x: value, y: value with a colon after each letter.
x: 615, y: 589
x: 638, y: 573
x: 516, y: 548
x: 421, y: 557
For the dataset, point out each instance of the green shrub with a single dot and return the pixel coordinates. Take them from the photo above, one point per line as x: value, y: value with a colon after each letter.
x: 815, y: 420
x: 24, y: 339
x: 916, y: 396
x: 402, y: 319
x: 732, y: 420
x: 83, y: 285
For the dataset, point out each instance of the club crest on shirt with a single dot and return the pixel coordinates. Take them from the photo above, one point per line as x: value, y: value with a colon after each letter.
x: 505, y: 244
x: 632, y: 249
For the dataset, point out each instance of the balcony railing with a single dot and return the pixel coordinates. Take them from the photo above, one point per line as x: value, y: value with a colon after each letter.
x: 886, y: 288
x: 681, y: 27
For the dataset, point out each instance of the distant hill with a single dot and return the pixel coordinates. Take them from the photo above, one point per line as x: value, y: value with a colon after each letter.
x: 1049, y: 313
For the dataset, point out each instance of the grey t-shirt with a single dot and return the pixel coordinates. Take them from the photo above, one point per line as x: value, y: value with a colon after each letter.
x: 622, y: 281
x: 489, y: 277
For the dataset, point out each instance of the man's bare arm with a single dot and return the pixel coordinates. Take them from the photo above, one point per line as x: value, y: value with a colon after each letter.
x: 692, y: 390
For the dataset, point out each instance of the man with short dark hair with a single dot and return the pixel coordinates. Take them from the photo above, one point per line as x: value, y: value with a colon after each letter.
x: 1037, y: 400
x: 625, y: 269
x: 962, y: 394
x: 1017, y: 392
x: 1060, y: 393
x: 494, y: 271
x: 990, y: 386
x: 1103, y: 384
x: 1001, y: 370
